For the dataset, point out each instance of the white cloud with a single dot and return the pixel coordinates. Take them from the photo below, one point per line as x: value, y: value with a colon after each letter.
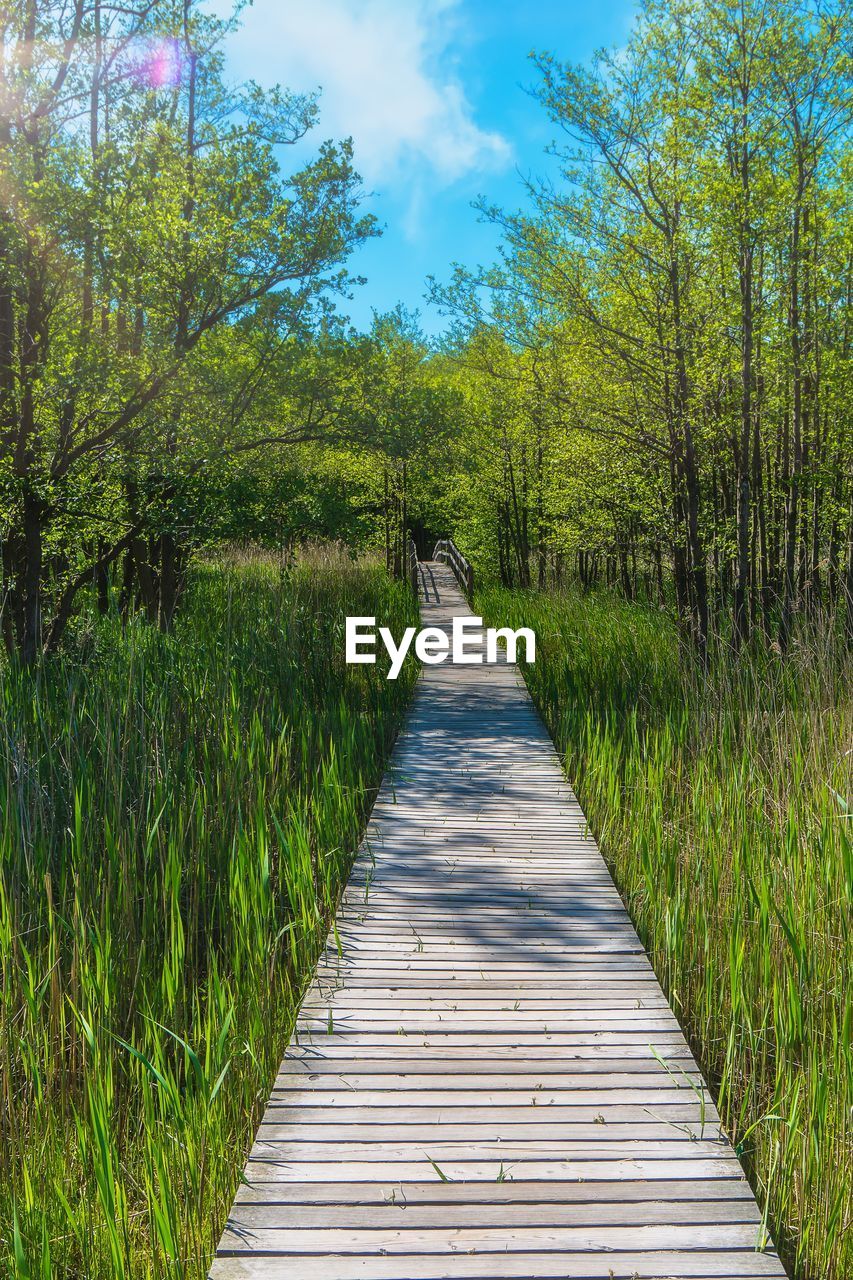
x: 387, y: 78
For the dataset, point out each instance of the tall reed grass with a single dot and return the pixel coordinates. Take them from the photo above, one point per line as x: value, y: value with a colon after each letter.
x: 722, y: 804
x: 177, y: 816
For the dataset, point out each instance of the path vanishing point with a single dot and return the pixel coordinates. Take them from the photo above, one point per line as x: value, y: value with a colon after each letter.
x: 486, y: 1080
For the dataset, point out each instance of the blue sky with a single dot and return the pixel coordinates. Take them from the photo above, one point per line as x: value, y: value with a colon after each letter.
x: 433, y: 94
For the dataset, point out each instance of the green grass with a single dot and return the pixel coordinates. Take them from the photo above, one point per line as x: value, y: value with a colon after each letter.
x: 722, y: 805
x: 177, y: 817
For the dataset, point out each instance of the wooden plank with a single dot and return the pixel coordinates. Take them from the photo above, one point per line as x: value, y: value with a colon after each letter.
x: 412, y: 1240
x: 555, y: 1214
x: 345, y: 1098
x: 506, y: 959
x: 559, y: 967
x: 410, y: 1074
x: 518, y: 1152
x: 446, y: 1039
x: 489, y: 997
x: 457, y: 1170
x: 673, y: 1115
x: 419, y: 984
x: 415, y: 988
x: 524, y: 919
x: 369, y: 1130
x: 550, y: 1068
x: 413, y: 1020
x: 443, y: 1056
x: 486, y: 1079
x: 506, y: 1195
x: 634, y: 996
x: 707, y: 1265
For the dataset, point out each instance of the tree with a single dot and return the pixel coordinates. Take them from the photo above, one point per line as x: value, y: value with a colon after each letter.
x: 143, y: 211
x: 683, y: 295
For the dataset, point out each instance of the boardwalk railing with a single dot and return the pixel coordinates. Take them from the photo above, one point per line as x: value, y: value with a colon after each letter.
x: 412, y: 564
x: 447, y: 552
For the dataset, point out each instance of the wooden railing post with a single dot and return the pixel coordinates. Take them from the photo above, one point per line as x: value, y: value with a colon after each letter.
x: 412, y: 564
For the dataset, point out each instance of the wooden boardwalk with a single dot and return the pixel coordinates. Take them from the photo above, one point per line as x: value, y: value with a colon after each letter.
x: 486, y: 1080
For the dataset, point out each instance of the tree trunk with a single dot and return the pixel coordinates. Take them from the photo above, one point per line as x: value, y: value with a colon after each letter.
x: 171, y: 565
x: 102, y: 579
x: 792, y: 505
x: 848, y: 577
x: 30, y: 577
x: 386, y: 512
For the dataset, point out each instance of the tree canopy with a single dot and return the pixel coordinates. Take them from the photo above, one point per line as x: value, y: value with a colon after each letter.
x: 647, y: 388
